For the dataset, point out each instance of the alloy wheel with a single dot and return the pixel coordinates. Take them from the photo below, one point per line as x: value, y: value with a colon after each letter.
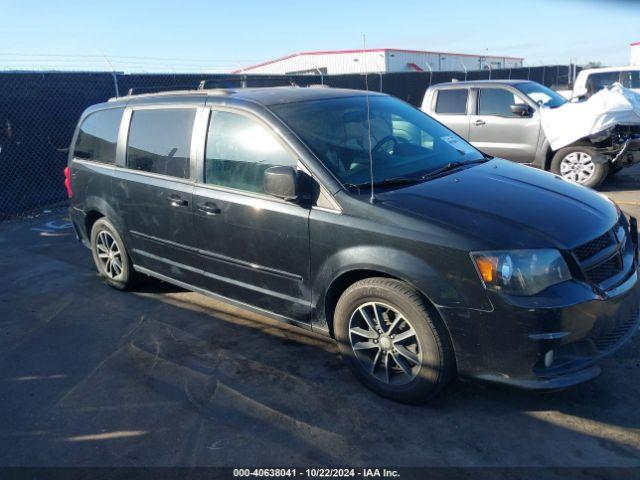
x: 385, y: 343
x: 577, y: 167
x: 109, y: 255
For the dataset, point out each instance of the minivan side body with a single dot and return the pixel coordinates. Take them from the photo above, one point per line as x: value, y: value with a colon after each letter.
x: 180, y: 177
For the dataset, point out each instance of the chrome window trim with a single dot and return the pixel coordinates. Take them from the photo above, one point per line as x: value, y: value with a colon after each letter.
x: 84, y: 161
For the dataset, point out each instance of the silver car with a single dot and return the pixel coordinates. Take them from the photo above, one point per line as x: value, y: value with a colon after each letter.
x: 502, y: 118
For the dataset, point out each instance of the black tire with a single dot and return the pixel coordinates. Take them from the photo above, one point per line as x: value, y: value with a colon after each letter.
x: 600, y: 171
x: 127, y: 277
x: 615, y: 168
x: 432, y: 339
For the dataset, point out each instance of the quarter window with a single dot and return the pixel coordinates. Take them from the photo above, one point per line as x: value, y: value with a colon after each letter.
x: 160, y: 141
x: 452, y: 101
x: 497, y: 101
x: 239, y: 150
x: 98, y: 136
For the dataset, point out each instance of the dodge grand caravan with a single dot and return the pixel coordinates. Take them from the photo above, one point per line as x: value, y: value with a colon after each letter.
x: 362, y: 218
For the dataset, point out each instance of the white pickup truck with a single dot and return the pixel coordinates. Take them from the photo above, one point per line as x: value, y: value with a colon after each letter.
x: 592, y: 80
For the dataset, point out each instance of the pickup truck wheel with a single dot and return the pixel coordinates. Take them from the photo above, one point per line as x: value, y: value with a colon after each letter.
x: 391, y: 341
x: 110, y: 256
x: 581, y: 165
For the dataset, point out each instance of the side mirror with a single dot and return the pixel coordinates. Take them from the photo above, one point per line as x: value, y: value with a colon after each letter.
x: 579, y: 93
x: 521, y: 110
x: 281, y: 182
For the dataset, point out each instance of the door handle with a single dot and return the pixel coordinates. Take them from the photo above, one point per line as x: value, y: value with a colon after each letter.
x: 177, y: 201
x: 209, y: 208
x: 479, y: 123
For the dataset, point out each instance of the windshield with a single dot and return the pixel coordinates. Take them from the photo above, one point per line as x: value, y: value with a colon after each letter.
x: 541, y: 95
x: 405, y: 143
x: 630, y: 79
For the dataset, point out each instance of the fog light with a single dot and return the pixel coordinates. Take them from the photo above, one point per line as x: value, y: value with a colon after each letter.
x: 548, y: 358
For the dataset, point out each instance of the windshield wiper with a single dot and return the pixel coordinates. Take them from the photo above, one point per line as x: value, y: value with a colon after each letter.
x: 449, y: 167
x: 389, y: 182
x: 427, y: 176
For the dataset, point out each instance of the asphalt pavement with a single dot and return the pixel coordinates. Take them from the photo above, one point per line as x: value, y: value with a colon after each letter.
x: 91, y: 376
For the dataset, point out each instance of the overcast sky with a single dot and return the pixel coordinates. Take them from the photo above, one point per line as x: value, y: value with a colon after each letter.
x: 214, y: 35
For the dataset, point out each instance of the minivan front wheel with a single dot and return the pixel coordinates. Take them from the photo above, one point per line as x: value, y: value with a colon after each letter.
x: 391, y: 340
x: 110, y: 256
x: 581, y: 165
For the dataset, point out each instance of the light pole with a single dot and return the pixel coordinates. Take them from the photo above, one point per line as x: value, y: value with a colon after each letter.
x: 430, y: 72
x: 464, y: 68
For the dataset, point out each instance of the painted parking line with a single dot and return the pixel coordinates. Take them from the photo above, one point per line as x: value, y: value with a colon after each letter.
x: 54, y: 228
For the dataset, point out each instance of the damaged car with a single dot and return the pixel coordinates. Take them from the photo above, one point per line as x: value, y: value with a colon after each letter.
x: 528, y: 123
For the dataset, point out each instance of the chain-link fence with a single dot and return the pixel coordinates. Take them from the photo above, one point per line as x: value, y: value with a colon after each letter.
x: 39, y: 111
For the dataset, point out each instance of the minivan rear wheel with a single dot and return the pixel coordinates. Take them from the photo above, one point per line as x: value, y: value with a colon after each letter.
x: 110, y: 255
x: 580, y: 164
x: 391, y: 341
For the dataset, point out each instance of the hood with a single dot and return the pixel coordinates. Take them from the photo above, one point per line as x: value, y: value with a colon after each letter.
x: 506, y: 205
x: 607, y: 108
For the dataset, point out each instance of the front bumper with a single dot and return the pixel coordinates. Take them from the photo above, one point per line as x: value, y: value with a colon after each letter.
x: 578, y: 323
x: 626, y: 155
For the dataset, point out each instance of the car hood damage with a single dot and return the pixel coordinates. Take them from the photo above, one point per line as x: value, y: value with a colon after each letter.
x: 604, y: 111
x: 500, y: 200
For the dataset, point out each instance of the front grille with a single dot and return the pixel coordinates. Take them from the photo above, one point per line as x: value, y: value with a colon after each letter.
x: 608, y: 339
x: 612, y: 264
x: 605, y: 270
x: 589, y: 249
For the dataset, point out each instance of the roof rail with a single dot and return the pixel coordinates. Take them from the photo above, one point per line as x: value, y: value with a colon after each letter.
x: 158, y: 89
x: 190, y: 91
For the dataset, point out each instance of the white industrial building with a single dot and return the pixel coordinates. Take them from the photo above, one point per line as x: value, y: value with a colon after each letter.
x: 635, y: 54
x: 378, y: 60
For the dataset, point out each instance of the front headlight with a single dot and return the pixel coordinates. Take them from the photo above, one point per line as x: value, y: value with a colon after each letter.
x: 521, y: 272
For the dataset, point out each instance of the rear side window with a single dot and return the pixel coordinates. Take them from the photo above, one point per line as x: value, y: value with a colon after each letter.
x: 160, y: 141
x: 98, y: 136
x: 239, y: 150
x: 452, y: 102
x: 497, y: 101
x: 598, y: 81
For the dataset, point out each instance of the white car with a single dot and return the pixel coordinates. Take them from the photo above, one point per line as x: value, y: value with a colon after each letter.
x: 592, y: 80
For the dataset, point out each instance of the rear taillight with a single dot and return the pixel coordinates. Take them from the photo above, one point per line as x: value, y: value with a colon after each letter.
x: 67, y: 182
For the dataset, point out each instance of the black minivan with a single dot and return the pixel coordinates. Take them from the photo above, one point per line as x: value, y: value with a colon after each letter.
x: 355, y: 215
